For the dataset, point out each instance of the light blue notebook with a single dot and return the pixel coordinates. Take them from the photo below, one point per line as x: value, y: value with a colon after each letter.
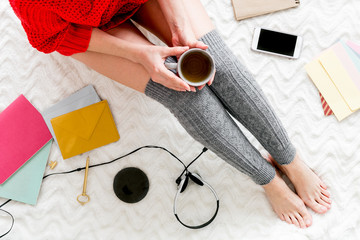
x: 24, y: 184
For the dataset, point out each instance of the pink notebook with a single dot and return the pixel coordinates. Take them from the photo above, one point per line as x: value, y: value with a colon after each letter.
x: 23, y: 132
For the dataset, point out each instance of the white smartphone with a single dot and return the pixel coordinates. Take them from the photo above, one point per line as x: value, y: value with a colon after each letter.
x: 276, y: 43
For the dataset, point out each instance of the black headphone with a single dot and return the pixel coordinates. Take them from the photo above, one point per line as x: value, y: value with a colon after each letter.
x: 182, y: 183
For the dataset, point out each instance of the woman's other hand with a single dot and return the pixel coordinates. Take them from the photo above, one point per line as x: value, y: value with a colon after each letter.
x: 153, y: 58
x: 186, y: 37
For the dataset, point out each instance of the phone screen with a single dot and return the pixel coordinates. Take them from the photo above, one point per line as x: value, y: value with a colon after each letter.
x: 277, y: 42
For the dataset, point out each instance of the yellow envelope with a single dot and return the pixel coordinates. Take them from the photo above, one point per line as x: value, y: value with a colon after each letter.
x: 342, y: 80
x: 328, y: 89
x: 85, y: 129
x: 335, y: 82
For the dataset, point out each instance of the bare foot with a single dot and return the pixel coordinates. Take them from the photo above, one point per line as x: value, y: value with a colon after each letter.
x: 286, y: 204
x: 307, y: 184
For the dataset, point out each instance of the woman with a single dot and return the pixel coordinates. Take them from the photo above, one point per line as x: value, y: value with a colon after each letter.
x: 100, y: 34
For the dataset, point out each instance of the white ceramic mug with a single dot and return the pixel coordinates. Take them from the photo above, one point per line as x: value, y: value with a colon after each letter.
x: 195, y: 66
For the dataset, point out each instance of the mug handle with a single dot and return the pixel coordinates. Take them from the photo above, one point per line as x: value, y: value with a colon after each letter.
x: 171, y: 66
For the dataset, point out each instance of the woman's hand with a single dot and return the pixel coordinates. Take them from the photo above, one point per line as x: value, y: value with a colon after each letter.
x: 186, y: 37
x: 153, y: 57
x: 179, y: 24
x: 150, y: 56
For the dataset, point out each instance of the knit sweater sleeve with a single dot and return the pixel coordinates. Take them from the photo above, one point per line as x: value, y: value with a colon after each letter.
x: 48, y: 32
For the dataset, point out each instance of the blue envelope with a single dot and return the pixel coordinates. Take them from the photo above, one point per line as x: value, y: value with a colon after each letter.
x: 24, y: 184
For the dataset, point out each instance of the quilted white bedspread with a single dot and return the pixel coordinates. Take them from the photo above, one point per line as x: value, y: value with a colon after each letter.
x: 330, y: 147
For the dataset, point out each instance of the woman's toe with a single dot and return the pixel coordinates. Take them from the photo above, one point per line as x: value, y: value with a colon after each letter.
x: 287, y: 219
x: 326, y: 199
x: 325, y: 193
x: 316, y: 207
x: 300, y: 220
x: 323, y: 185
x: 306, y: 216
x: 294, y: 221
x: 323, y: 203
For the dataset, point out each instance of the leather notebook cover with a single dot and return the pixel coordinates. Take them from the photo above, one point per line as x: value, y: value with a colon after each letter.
x: 251, y: 8
x: 85, y: 129
x: 23, y: 132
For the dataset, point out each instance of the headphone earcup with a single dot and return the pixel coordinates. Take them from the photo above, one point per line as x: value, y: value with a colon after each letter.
x: 184, y: 182
x: 196, y: 178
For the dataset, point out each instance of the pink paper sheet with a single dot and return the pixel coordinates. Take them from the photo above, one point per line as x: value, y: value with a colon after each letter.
x: 23, y: 132
x: 347, y: 63
x: 354, y: 46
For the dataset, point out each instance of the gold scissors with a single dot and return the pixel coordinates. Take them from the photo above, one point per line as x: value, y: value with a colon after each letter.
x: 84, y: 198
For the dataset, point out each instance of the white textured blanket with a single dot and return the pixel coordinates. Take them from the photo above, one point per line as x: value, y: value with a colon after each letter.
x: 329, y: 147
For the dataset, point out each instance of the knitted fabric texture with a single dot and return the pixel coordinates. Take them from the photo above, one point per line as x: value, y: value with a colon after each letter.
x: 66, y: 25
x: 205, y: 118
x: 206, y: 114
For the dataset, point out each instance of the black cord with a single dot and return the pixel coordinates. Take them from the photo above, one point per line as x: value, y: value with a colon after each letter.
x: 12, y: 220
x: 5, y: 203
x: 186, y: 167
x: 102, y: 164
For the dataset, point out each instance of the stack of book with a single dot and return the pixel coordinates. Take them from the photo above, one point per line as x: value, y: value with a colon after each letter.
x: 78, y: 124
x: 336, y: 74
x: 25, y: 143
x: 250, y: 8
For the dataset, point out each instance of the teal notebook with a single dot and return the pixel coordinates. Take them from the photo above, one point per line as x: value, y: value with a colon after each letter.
x: 24, y: 184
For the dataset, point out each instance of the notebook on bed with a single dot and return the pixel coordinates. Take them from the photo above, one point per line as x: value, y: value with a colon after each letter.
x: 250, y: 8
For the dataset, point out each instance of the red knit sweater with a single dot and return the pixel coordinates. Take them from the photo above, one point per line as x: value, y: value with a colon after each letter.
x: 66, y: 25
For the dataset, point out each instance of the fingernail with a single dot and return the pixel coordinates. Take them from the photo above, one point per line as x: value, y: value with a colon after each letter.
x: 308, y: 222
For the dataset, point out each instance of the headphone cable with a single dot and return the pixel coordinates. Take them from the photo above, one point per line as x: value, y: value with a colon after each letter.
x: 102, y: 164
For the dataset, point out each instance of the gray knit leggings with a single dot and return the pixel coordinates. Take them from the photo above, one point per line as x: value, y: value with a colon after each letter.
x: 205, y: 115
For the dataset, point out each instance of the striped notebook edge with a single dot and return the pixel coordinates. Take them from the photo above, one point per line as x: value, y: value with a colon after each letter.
x: 325, y: 106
